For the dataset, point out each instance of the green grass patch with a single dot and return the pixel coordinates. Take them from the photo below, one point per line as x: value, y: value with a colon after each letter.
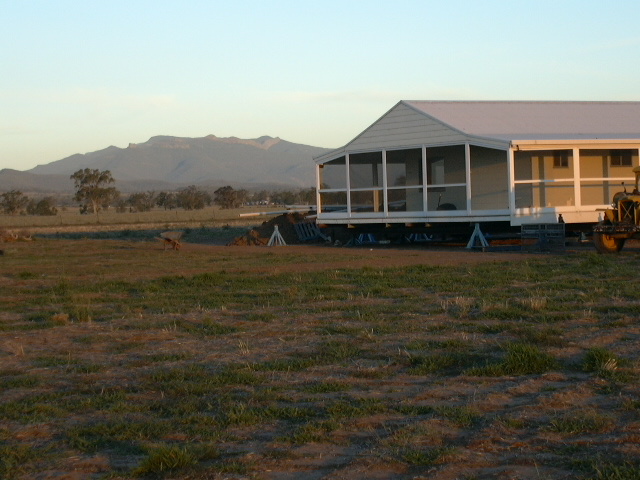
x: 605, y: 364
x: 289, y: 364
x: 539, y: 335
x: 9, y: 381
x: 198, y: 379
x: 115, y: 350
x: 579, y: 423
x: 425, y: 457
x: 315, y: 431
x: 462, y: 416
x: 15, y: 458
x: 353, y: 408
x: 164, y: 459
x: 334, y: 351
x: 442, y: 363
x: 123, y: 435
x: 623, y: 470
x: 205, y: 327
x: 167, y: 357
x: 327, y: 387
x: 520, y: 359
x: 39, y: 407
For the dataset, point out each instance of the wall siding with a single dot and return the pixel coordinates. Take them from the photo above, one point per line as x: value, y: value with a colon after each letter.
x: 403, y: 126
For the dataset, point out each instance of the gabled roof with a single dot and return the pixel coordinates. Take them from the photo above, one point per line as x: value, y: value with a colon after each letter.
x: 498, y: 124
x: 529, y: 120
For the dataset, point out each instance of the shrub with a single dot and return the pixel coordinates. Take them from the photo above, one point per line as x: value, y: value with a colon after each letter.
x: 165, y: 458
x: 521, y: 359
x: 45, y: 207
x: 600, y: 361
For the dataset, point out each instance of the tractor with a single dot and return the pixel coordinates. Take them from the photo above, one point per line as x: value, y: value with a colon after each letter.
x: 620, y: 222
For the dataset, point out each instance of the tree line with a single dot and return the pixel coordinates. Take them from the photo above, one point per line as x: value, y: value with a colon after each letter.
x: 95, y: 191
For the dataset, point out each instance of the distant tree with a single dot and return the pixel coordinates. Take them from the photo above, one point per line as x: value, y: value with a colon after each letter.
x: 261, y: 197
x: 225, y: 197
x: 242, y: 196
x: 92, y: 190
x: 167, y: 200
x: 46, y: 206
x: 13, y: 202
x: 142, y: 202
x: 307, y: 196
x: 284, y: 197
x: 192, y: 198
x: 121, y: 205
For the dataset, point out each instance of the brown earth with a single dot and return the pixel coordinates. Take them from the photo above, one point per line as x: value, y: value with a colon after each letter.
x: 509, y: 444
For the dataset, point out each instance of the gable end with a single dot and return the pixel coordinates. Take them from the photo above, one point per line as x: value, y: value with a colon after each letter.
x: 405, y: 126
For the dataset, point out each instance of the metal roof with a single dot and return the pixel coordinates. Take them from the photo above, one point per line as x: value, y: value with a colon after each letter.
x: 530, y: 120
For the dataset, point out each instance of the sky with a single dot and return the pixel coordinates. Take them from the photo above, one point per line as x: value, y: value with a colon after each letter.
x: 78, y: 76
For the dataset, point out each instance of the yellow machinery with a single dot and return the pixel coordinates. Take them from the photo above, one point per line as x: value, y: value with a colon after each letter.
x: 620, y: 222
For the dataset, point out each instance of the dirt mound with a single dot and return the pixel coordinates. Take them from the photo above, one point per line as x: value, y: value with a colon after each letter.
x: 261, y: 235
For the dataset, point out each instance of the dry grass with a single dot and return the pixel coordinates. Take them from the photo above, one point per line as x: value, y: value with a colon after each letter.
x: 121, y: 360
x: 70, y: 217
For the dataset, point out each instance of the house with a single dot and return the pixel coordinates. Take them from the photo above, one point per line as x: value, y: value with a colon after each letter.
x: 449, y: 162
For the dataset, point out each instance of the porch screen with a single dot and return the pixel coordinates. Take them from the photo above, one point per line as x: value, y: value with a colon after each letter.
x: 404, y: 180
x: 333, y: 185
x: 365, y: 180
x: 489, y: 179
x: 446, y: 178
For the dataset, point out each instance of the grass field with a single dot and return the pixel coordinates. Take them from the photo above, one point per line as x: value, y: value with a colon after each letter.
x: 119, y: 360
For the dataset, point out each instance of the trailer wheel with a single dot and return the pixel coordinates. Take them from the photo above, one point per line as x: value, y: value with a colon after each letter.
x: 607, y: 244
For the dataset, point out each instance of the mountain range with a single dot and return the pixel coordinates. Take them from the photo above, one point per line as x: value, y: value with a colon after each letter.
x: 166, y: 163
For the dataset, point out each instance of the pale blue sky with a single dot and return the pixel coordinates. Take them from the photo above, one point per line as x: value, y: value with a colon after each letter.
x: 78, y: 76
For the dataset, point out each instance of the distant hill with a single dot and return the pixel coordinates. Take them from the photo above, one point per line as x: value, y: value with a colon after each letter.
x: 166, y: 162
x: 27, y: 182
x: 34, y: 184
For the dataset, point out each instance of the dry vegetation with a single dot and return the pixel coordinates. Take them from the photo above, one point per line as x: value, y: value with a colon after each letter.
x: 70, y: 218
x: 121, y: 360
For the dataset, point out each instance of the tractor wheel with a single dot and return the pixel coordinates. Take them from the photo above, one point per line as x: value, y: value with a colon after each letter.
x: 607, y: 244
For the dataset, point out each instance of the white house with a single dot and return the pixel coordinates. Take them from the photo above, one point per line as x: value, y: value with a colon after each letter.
x: 427, y: 162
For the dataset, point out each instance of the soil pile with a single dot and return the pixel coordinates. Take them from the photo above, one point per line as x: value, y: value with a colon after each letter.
x: 261, y: 235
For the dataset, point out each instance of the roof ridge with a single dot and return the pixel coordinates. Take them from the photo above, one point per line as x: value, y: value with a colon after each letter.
x: 524, y: 101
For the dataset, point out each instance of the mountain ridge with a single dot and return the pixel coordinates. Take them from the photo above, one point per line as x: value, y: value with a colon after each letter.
x: 168, y: 161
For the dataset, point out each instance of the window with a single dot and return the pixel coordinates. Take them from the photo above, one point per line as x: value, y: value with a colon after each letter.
x: 561, y: 160
x: 621, y: 158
